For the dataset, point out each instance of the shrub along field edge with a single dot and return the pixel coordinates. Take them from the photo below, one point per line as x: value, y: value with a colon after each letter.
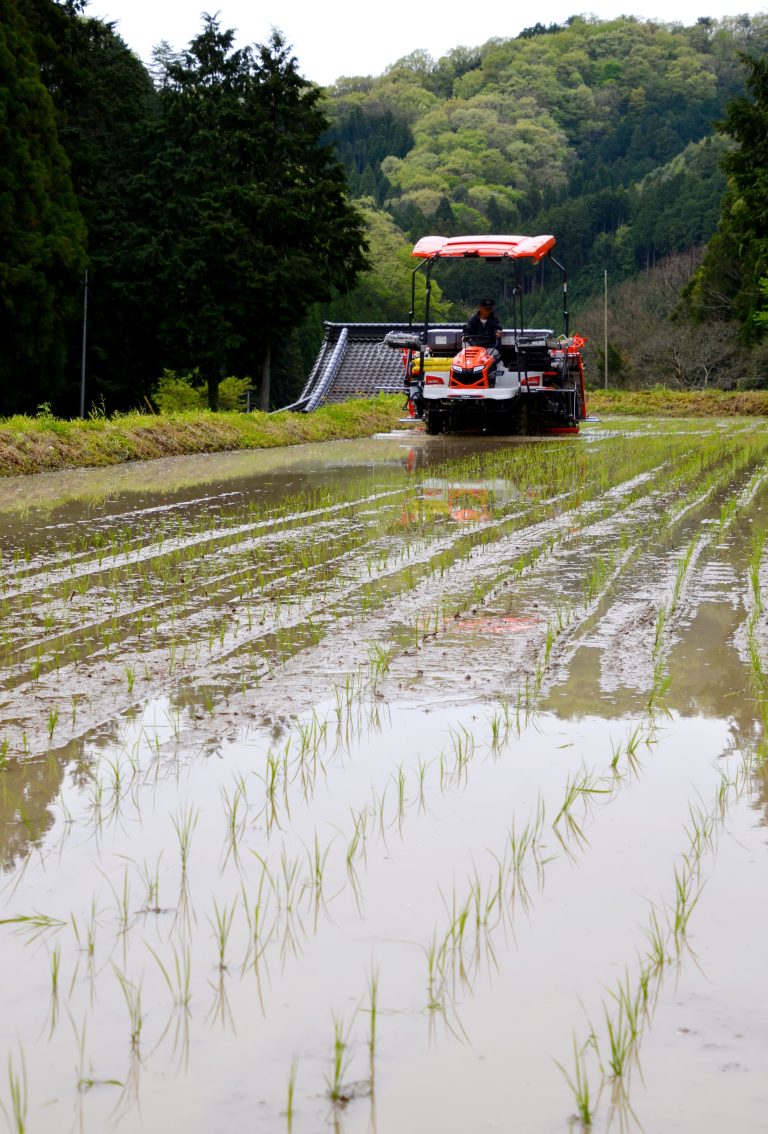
x: 45, y: 443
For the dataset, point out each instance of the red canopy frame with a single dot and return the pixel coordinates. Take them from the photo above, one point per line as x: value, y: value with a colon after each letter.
x: 484, y: 247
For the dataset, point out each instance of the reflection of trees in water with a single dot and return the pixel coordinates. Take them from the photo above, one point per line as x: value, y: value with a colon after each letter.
x: 709, y: 678
x: 28, y: 789
x: 760, y: 802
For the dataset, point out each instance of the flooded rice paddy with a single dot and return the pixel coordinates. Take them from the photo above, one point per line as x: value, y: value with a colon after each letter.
x: 409, y: 785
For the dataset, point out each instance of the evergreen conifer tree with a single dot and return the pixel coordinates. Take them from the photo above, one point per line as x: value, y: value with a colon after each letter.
x: 42, y: 249
x: 252, y: 210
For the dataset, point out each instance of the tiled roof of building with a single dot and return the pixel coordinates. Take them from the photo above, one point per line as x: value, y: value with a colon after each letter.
x: 367, y: 366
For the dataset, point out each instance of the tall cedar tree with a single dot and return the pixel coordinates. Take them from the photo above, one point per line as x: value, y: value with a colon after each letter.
x: 105, y: 102
x: 42, y: 239
x: 254, y: 224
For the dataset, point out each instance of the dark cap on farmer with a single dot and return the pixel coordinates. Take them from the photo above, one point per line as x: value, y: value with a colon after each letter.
x: 486, y: 303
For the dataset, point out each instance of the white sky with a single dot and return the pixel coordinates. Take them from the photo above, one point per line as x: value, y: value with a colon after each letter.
x: 331, y: 38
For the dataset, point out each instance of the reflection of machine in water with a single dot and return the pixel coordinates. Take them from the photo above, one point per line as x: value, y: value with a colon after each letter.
x: 467, y: 502
x: 463, y: 502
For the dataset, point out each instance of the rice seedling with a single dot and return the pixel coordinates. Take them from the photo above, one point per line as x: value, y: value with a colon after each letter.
x: 657, y: 954
x: 132, y: 996
x: 150, y: 876
x: 685, y: 902
x: 316, y: 860
x: 220, y: 928
x: 436, y: 959
x: 16, y: 1112
x: 339, y: 1061
x: 259, y: 934
x: 380, y: 659
x: 660, y: 684
x: 291, y: 1093
x: 630, y: 1006
x: 178, y: 977
x: 620, y: 1041
x: 184, y: 823
x: 583, y: 788
x: 236, y: 815
x: 35, y: 925
x: 580, y: 1087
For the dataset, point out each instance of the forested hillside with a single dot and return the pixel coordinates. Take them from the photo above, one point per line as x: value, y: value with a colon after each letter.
x: 601, y: 132
x: 208, y: 199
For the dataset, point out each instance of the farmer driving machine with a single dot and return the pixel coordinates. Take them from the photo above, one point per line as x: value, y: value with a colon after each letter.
x: 533, y: 382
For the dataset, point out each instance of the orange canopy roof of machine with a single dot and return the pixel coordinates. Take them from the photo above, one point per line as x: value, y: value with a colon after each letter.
x: 513, y: 247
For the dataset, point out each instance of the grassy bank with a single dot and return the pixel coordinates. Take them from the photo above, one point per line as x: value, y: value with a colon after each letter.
x: 39, y: 444
x: 661, y: 402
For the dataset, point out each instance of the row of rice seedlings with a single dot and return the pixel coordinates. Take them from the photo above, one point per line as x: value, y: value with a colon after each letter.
x: 105, y: 629
x: 629, y: 1011
x: 294, y: 889
x: 131, y: 691
x: 130, y: 677
x: 597, y: 578
x: 477, y: 902
x: 734, y: 507
x: 475, y: 890
x: 153, y: 534
x: 183, y: 530
x: 453, y: 771
x: 172, y: 572
x: 456, y: 954
x: 755, y: 622
x: 737, y: 504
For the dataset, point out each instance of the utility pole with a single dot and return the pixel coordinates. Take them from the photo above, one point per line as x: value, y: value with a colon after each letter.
x: 266, y: 364
x: 605, y: 327
x: 82, y: 356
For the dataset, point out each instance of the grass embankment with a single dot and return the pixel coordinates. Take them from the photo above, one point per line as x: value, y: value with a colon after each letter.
x: 39, y: 444
x: 661, y: 402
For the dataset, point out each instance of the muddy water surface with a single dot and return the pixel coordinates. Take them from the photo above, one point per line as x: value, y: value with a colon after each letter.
x: 413, y: 784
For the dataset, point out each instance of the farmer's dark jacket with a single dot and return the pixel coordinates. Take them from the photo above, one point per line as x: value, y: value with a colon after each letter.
x: 486, y: 334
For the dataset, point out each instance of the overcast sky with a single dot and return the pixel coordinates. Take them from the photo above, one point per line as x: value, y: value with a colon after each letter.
x: 331, y: 38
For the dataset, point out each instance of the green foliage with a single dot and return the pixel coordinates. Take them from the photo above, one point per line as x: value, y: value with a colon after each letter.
x: 383, y: 292
x: 761, y: 317
x: 598, y: 131
x: 177, y: 393
x: 729, y: 285
x: 104, y: 99
x: 174, y: 394
x: 233, y: 393
x: 219, y: 229
x: 250, y: 209
x: 42, y: 253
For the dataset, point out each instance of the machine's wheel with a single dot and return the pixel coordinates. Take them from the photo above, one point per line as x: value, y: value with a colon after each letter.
x: 433, y: 421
